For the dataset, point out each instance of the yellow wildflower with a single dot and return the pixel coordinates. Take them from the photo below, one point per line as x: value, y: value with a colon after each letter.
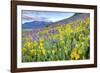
x: 35, y: 43
x: 75, y: 54
x: 32, y: 51
x: 72, y: 55
x: 80, y: 51
x: 29, y: 44
x: 43, y: 51
x: 41, y: 40
x: 41, y: 46
x: 62, y: 33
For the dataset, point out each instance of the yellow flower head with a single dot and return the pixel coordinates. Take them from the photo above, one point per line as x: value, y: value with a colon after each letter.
x: 41, y: 40
x: 43, y: 52
x: 32, y: 51
x: 35, y: 43
x: 75, y: 54
x: 41, y: 46
x: 29, y: 45
x: 80, y: 51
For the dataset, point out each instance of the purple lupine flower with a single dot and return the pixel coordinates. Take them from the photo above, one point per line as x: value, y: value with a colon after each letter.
x: 52, y: 31
x: 44, y: 36
x: 34, y: 37
x: 26, y: 34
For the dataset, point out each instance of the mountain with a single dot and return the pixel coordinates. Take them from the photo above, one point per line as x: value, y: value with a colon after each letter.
x: 42, y: 24
x: 35, y: 24
x: 75, y: 17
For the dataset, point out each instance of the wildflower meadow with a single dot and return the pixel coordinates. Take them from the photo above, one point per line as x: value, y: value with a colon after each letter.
x: 57, y: 43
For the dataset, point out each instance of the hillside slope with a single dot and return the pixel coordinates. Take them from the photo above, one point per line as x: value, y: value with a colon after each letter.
x: 77, y: 16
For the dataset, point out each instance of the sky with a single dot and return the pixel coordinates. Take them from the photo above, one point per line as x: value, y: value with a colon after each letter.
x: 48, y: 16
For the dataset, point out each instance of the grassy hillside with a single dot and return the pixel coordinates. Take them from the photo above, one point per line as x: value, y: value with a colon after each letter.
x: 64, y: 42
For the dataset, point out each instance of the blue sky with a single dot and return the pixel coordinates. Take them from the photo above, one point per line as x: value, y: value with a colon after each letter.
x: 50, y: 16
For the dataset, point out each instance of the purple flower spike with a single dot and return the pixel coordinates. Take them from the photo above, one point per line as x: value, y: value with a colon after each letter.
x: 53, y: 31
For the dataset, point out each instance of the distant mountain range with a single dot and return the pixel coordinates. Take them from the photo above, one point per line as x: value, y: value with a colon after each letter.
x: 43, y: 24
x: 35, y: 24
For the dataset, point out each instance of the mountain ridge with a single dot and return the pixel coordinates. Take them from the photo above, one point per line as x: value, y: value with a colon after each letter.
x: 43, y: 24
x: 75, y: 17
x: 35, y: 24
